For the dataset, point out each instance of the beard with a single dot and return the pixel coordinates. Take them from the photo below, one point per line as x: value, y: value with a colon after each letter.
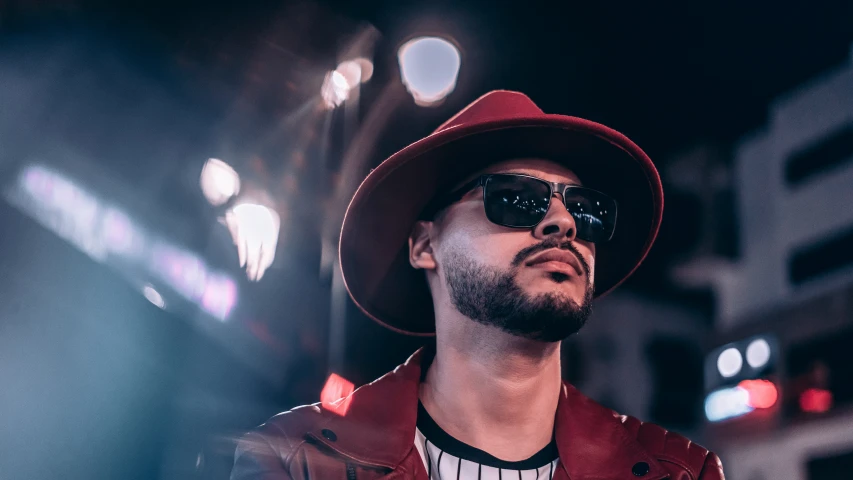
x: 490, y: 296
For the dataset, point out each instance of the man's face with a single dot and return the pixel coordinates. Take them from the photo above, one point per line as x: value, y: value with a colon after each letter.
x: 491, y: 272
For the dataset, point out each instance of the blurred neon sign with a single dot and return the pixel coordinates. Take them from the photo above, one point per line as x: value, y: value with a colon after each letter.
x: 816, y: 400
x: 740, y: 400
x: 105, y: 232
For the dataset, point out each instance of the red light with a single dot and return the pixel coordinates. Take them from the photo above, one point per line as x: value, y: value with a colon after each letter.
x: 816, y: 400
x: 335, y: 395
x: 762, y: 393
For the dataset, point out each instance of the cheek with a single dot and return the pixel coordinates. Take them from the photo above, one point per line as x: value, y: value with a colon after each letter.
x: 484, y: 248
x: 499, y: 248
x: 483, y: 242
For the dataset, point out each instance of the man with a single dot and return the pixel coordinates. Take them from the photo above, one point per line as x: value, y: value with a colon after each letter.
x: 493, y: 234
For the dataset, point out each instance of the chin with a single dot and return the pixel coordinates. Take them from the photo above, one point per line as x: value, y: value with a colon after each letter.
x: 575, y: 297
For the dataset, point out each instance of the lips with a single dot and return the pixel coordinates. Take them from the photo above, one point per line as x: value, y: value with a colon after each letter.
x: 555, y: 255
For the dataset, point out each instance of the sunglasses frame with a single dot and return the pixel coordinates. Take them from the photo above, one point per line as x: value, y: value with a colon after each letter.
x: 554, y: 187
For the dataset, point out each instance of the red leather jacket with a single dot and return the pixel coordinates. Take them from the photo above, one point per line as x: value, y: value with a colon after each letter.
x: 375, y: 440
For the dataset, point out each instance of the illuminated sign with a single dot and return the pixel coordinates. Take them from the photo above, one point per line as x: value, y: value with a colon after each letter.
x: 105, y: 233
x: 740, y: 400
x: 753, y: 357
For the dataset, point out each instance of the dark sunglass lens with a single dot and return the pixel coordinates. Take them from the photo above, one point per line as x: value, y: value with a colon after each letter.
x: 594, y: 214
x: 516, y: 201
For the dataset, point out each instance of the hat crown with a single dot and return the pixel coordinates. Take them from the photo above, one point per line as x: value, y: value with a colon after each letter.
x: 497, y: 104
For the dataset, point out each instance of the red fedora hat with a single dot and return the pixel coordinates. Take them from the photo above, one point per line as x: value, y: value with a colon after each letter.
x: 498, y: 126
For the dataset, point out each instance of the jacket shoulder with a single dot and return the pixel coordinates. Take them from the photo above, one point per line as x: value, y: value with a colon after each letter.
x: 284, y: 433
x: 295, y: 424
x: 675, y: 449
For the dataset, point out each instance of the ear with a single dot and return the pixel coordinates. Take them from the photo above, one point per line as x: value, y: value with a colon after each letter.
x: 420, y: 246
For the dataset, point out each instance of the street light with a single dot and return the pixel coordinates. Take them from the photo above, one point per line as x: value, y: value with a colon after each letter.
x: 335, y: 89
x: 729, y: 362
x: 219, y: 182
x: 758, y: 353
x: 254, y: 229
x: 429, y: 67
x: 340, y: 81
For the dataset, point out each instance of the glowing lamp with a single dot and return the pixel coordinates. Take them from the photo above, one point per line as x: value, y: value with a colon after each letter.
x: 761, y: 393
x: 254, y: 229
x: 729, y: 362
x: 758, y: 353
x: 335, y: 89
x: 429, y: 67
x: 727, y: 403
x: 816, y: 400
x: 219, y: 181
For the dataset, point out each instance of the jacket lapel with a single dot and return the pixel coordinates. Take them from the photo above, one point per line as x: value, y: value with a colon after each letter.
x: 593, y: 443
x: 378, y: 428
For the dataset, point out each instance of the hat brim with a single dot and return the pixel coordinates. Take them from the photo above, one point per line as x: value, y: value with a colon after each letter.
x: 377, y: 224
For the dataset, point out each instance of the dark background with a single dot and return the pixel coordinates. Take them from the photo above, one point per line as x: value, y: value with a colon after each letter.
x: 99, y: 383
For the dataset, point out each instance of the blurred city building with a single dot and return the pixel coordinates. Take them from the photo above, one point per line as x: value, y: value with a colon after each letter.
x: 642, y: 358
x: 779, y: 368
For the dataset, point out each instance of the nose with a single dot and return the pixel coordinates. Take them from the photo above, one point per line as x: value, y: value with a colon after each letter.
x: 558, y: 222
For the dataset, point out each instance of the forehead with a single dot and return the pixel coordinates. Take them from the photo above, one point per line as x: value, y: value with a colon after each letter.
x: 536, y: 167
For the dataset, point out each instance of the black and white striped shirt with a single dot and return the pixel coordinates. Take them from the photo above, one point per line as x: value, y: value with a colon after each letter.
x: 447, y: 458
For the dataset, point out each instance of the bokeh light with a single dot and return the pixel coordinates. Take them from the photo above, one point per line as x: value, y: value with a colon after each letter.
x: 335, y: 89
x: 727, y: 403
x: 366, y: 67
x: 429, y: 67
x: 729, y: 362
x: 219, y: 181
x: 254, y: 229
x: 339, y: 83
x: 351, y: 71
x: 219, y: 296
x: 762, y: 393
x: 153, y: 296
x: 758, y: 353
x: 816, y: 400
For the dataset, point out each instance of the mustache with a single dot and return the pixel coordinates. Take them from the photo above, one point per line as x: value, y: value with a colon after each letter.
x: 521, y: 256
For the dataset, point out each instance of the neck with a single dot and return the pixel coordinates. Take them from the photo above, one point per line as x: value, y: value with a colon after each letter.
x: 493, y: 391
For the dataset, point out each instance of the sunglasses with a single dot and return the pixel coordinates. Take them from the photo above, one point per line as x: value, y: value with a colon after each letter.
x: 521, y: 201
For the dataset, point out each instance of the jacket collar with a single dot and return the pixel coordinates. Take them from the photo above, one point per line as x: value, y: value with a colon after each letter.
x: 378, y: 428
